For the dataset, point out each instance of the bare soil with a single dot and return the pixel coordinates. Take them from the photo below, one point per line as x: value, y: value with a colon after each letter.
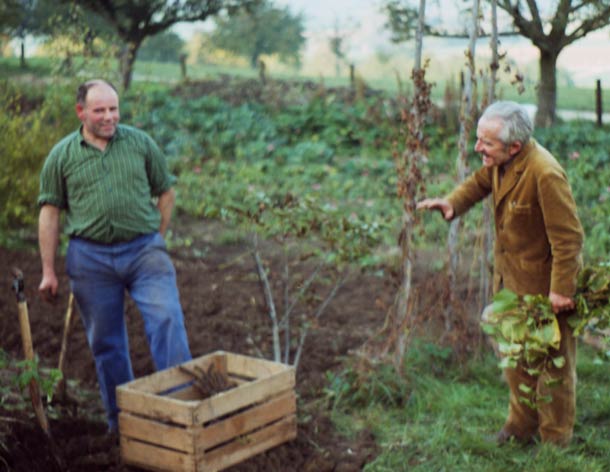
x: 224, y: 310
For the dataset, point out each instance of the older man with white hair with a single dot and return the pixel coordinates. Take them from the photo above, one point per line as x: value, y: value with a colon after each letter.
x: 537, y: 251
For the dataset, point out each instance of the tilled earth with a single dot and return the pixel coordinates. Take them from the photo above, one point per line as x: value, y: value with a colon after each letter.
x: 224, y: 310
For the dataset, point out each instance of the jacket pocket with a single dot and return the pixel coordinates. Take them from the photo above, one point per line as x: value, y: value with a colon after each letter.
x: 520, y: 208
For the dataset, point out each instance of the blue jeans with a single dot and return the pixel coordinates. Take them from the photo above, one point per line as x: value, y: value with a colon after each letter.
x: 99, y: 276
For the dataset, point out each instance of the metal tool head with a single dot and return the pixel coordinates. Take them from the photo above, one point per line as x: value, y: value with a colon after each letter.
x: 18, y: 284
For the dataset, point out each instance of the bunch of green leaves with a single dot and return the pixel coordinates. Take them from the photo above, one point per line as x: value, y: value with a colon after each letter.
x: 527, y: 333
x: 527, y: 330
x: 592, y: 301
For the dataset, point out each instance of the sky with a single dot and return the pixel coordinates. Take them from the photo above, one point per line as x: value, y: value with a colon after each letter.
x: 361, y: 23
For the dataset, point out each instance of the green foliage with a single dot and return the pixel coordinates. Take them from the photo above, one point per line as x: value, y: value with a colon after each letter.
x: 29, y: 370
x: 10, y: 15
x: 21, y: 373
x: 363, y: 384
x: 27, y: 138
x: 353, y: 388
x: 402, y: 20
x: 593, y: 301
x: 582, y: 149
x: 162, y: 47
x: 264, y: 29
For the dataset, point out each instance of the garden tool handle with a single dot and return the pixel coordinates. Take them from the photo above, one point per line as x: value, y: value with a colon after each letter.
x: 61, y: 386
x: 28, y: 348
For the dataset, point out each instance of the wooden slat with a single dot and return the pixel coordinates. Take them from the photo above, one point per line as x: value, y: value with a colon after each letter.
x: 247, y: 394
x: 153, y: 406
x: 250, y: 445
x: 154, y: 432
x: 190, y: 394
x: 247, y: 421
x: 166, y: 379
x: 238, y: 380
x: 253, y: 368
x: 155, y: 458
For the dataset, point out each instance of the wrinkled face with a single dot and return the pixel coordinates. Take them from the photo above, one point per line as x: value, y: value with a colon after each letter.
x: 100, y: 113
x: 493, y: 151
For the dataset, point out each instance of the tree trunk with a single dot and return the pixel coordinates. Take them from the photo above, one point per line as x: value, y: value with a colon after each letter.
x: 254, y: 60
x: 126, y: 61
x: 547, y: 89
x: 22, y: 63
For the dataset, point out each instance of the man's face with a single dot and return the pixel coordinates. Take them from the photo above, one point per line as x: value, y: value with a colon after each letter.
x: 100, y: 113
x: 493, y: 151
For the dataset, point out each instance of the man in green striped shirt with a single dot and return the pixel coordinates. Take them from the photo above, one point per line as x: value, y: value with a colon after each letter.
x: 114, y: 186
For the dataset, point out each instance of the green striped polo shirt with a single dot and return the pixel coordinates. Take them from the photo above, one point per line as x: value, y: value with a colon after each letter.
x: 107, y: 195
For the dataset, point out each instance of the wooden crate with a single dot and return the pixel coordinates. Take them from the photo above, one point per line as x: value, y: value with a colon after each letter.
x: 164, y: 426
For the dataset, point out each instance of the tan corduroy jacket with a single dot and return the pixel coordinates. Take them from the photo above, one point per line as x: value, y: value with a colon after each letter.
x: 539, y: 237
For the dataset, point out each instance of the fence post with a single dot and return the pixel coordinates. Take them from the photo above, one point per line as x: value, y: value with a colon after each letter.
x: 262, y: 71
x: 183, y: 66
x: 598, y: 102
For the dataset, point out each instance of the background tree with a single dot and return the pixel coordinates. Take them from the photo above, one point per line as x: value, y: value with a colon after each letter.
x: 9, y: 15
x: 163, y: 47
x: 336, y: 43
x: 550, y: 26
x: 134, y: 20
x: 265, y: 29
x: 20, y: 18
x: 551, y: 32
x: 403, y: 20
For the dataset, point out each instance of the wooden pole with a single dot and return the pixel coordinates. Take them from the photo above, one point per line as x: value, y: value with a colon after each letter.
x: 61, y: 386
x: 598, y: 102
x: 28, y: 349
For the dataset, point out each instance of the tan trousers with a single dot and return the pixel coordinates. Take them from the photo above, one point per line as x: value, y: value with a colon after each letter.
x: 554, y: 420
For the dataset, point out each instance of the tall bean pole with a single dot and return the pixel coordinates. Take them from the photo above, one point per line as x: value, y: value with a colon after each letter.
x: 467, y: 110
x: 488, y: 237
x: 410, y: 187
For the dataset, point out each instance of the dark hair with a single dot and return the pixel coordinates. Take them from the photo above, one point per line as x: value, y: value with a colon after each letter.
x: 83, y: 89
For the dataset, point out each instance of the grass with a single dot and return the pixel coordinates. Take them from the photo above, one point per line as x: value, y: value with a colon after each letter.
x: 450, y: 416
x: 568, y: 98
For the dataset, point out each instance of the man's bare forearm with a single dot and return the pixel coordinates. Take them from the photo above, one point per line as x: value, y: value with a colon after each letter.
x: 166, y: 206
x: 48, y: 237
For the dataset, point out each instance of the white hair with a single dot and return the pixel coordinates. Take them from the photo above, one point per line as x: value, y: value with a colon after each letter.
x: 517, y: 125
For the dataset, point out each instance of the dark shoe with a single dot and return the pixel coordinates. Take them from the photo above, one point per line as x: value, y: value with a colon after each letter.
x: 504, y: 437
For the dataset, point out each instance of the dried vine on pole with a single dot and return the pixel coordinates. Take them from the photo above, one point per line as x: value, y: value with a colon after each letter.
x: 410, y: 186
x: 467, y: 112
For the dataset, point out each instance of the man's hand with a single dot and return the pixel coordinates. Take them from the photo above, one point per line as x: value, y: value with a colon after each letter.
x: 439, y: 204
x: 560, y: 303
x: 48, y: 288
